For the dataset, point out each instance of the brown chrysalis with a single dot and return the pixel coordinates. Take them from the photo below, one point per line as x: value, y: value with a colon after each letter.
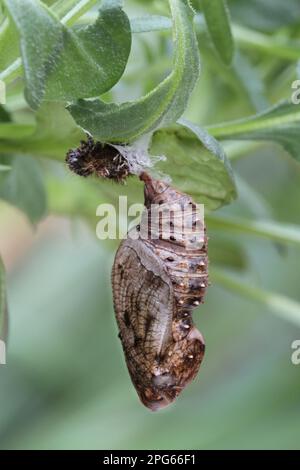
x: 157, y: 281
x: 156, y: 285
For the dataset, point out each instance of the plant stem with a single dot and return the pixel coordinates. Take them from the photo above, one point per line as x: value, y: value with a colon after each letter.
x: 283, y: 233
x: 234, y: 128
x: 284, y: 307
x: 11, y: 72
x: 76, y: 11
x: 271, y: 45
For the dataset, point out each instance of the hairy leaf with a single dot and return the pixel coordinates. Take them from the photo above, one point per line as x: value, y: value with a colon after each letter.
x: 64, y: 64
x: 196, y: 162
x: 163, y: 105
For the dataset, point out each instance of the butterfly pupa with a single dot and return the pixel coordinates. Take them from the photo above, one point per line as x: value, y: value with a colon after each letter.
x: 157, y: 282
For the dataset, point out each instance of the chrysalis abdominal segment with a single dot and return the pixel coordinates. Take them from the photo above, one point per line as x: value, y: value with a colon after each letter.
x: 157, y: 282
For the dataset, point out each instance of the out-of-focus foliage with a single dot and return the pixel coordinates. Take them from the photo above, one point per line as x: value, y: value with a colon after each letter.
x: 266, y: 15
x: 218, y: 23
x: 66, y: 384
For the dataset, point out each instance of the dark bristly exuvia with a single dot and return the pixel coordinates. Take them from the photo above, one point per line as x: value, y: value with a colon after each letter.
x: 99, y: 159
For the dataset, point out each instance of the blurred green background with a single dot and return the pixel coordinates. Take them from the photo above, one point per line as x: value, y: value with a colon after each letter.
x: 65, y: 385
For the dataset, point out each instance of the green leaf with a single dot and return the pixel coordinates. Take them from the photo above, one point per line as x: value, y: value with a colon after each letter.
x: 196, y: 162
x: 65, y: 64
x: 3, y: 304
x: 163, y: 105
x: 66, y: 10
x: 269, y: 230
x: 94, y: 57
x: 23, y: 187
x: 218, y: 24
x: 55, y: 133
x: 282, y: 306
x: 280, y: 124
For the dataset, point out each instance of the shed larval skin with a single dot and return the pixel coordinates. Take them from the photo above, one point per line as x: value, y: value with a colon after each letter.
x: 157, y: 282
